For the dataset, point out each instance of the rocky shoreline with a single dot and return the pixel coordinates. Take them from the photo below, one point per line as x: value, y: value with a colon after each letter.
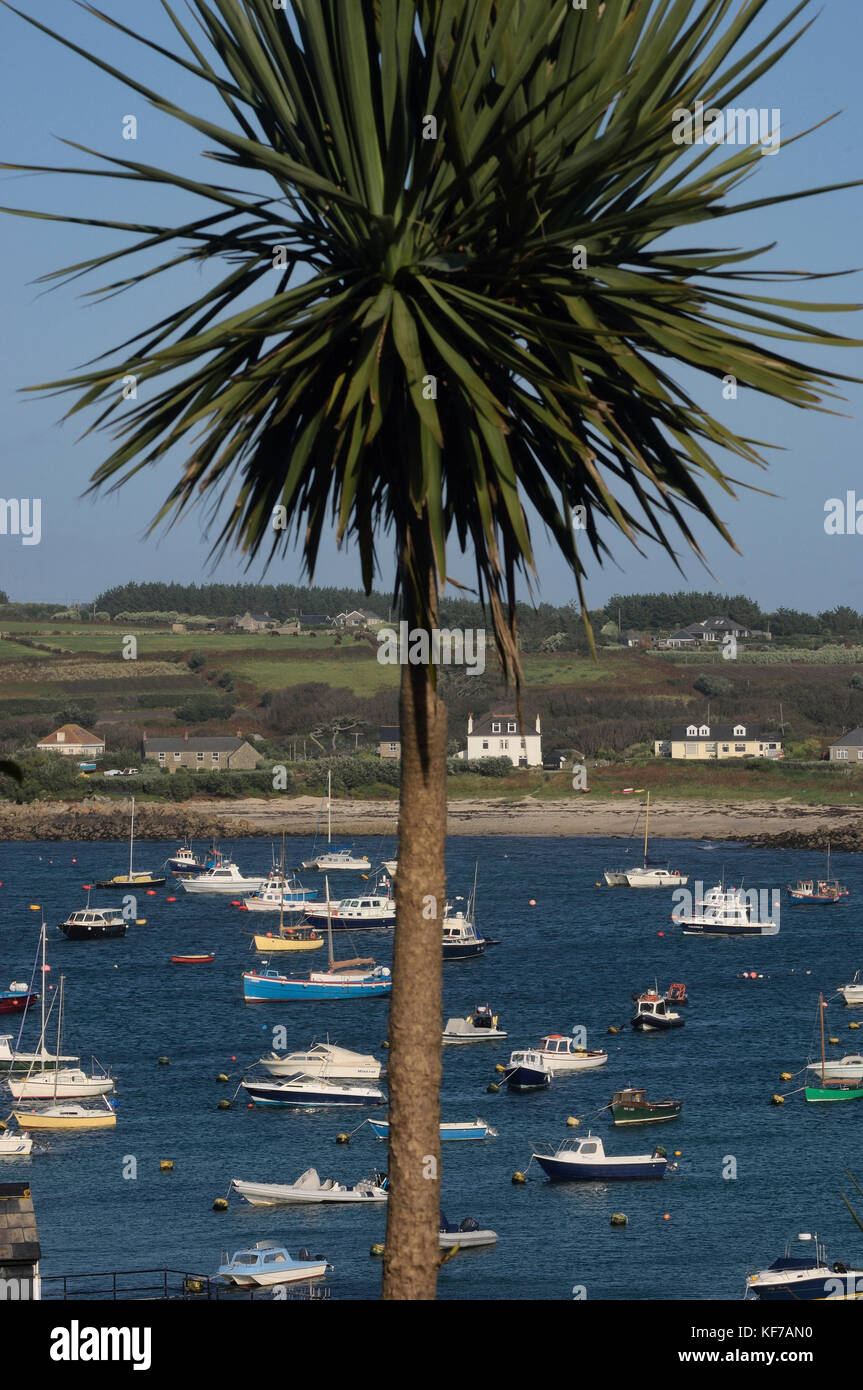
x: 765, y: 825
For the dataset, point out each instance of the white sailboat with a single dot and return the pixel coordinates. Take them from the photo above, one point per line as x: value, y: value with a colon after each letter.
x: 14, y: 1062
x: 61, y: 1083
x: 335, y: 858
x: 135, y: 878
x: 654, y: 875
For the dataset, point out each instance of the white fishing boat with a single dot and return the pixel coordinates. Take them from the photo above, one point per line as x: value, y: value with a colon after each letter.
x: 847, y: 1068
x: 654, y: 875
x: 224, y: 878
x: 324, y: 1059
x: 14, y: 1144
x: 369, y: 913
x: 853, y: 993
x: 560, y: 1055
x: 725, y: 912
x: 335, y: 858
x: 309, y: 1190
x: 265, y: 1264
x: 279, y: 893
x: 480, y: 1026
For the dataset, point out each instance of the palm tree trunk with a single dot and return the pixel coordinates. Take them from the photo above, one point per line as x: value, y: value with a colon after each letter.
x: 412, y: 1252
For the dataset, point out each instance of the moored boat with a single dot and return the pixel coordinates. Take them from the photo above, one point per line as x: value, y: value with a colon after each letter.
x: 527, y: 1071
x: 630, y: 1106
x: 585, y: 1160
x: 288, y: 939
x: 853, y: 993
x: 311, y: 1091
x: 309, y: 1190
x: 94, y: 924
x: 725, y: 912
x: 367, y: 913
x: 15, y: 1144
x: 652, y: 1014
x: 17, y: 998
x: 323, y: 1059
x: 339, y: 859
x: 61, y: 1083
x: 826, y: 891
x: 134, y: 878
x: 466, y: 1236
x: 560, y: 1054
x: 193, y: 960
x: 840, y: 1080
x: 449, y: 1132
x: 480, y: 1026
x: 803, y: 1274
x: 66, y: 1117
x: 224, y: 877
x: 184, y: 860
x: 654, y: 875
x: 265, y: 1264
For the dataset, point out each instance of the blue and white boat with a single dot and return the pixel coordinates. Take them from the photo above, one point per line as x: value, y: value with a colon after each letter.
x: 471, y: 1129
x: 344, y: 979
x: 461, y: 940
x: 308, y: 1092
x: 585, y: 1160
x: 527, y: 1071
x: 265, y: 1264
x: 370, y: 912
x: 803, y: 1275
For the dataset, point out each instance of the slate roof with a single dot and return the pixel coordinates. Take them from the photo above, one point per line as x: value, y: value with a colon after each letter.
x: 854, y: 739
x: 485, y: 721
x: 19, y: 1237
x: 390, y: 733
x: 720, y: 731
x: 205, y: 744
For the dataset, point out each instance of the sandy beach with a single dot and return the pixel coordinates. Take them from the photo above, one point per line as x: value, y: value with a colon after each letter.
x: 779, y: 822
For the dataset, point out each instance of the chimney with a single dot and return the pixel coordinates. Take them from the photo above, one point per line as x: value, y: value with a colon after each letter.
x: 61, y: 737
x: 185, y: 733
x: 470, y: 723
x: 538, y: 730
x: 239, y: 733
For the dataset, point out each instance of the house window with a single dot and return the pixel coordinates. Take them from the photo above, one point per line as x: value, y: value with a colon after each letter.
x: 691, y: 750
x: 740, y: 747
x: 215, y: 757
x: 177, y: 757
x: 725, y: 748
x: 523, y: 743
x: 162, y: 757
x: 199, y: 757
x: 691, y: 731
x: 510, y: 728
x: 394, y: 748
x: 485, y: 744
x: 842, y: 752
x: 860, y: 752
x: 495, y: 728
x: 739, y: 730
x: 503, y: 742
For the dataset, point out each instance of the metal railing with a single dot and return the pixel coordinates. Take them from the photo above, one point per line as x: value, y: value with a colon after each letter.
x: 117, y: 1285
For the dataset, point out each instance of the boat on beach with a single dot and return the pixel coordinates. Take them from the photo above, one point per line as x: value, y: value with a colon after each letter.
x: 308, y: 1190
x: 585, y: 1160
x: 480, y: 1026
x: 265, y: 1264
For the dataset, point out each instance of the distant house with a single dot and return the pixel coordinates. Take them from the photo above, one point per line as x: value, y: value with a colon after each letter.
x: 19, y: 1243
x: 717, y: 629
x: 314, y: 620
x: 359, y: 617
x: 636, y: 639
x: 682, y: 638
x: 390, y: 741
x: 256, y: 622
x: 209, y: 753
x: 848, y: 748
x: 694, y: 741
x: 73, y: 741
x: 498, y: 735
x: 289, y: 629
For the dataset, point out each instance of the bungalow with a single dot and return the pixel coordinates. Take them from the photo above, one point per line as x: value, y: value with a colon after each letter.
x: 207, y: 753
x: 73, y: 742
x: 499, y: 735
x: 717, y: 629
x: 359, y: 617
x: 694, y: 741
x: 314, y: 620
x: 847, y: 749
x: 682, y: 638
x: 256, y: 622
x: 390, y: 741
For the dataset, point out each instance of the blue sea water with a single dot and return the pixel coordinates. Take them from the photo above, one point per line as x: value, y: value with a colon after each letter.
x: 572, y: 959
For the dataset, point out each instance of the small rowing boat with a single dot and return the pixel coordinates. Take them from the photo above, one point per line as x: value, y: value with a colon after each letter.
x: 193, y: 960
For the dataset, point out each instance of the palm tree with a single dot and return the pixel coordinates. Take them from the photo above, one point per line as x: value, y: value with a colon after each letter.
x: 443, y: 312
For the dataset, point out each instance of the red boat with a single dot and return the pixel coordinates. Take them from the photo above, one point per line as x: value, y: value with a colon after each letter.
x: 16, y: 999
x: 192, y: 960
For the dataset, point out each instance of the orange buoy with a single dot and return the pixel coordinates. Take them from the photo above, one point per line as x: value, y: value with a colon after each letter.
x: 170, y: 900
x: 151, y: 892
x: 660, y: 933
x: 532, y: 902
x: 666, y: 1217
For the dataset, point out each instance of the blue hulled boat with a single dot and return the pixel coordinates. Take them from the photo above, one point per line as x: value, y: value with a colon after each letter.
x: 585, y: 1160
x: 804, y: 1276
x: 527, y: 1071
x: 471, y: 1129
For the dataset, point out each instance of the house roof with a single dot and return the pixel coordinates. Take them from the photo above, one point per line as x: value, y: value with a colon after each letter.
x: 205, y: 744
x: 483, y: 724
x: 854, y: 739
x: 390, y: 733
x: 19, y: 1237
x: 314, y: 619
x: 720, y: 731
x: 682, y: 635
x: 717, y: 625
x: 74, y: 733
x: 367, y: 613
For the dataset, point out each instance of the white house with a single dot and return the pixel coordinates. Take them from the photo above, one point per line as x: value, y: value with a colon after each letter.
x: 72, y: 740
x: 499, y: 736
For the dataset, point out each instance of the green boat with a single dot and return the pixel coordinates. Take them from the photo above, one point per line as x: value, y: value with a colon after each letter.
x: 836, y: 1089
x: 631, y: 1107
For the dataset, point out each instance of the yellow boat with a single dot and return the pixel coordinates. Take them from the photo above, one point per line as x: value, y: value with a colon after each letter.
x: 66, y: 1117
x: 291, y: 939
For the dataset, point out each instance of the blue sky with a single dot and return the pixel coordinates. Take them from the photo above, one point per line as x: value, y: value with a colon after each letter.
x: 88, y: 544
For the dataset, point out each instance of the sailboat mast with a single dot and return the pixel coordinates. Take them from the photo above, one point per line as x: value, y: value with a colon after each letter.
x: 646, y: 820
x: 821, y: 1012
x: 329, y: 810
x: 132, y: 837
x: 329, y: 924
x: 59, y: 1036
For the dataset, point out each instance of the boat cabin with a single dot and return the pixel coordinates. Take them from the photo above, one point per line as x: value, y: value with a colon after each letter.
x: 527, y: 1059
x: 558, y: 1044
x: 653, y: 1006
x: 95, y: 917
x: 482, y: 1017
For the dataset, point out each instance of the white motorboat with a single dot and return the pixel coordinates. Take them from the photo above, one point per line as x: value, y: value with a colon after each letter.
x: 652, y: 1014
x: 63, y: 1083
x: 466, y: 1236
x: 654, y: 875
x: 804, y: 1274
x: 266, y: 1263
x: 726, y: 912
x: 616, y: 878
x: 279, y: 892
x: 94, y: 924
x: 356, y: 914
x: 324, y: 1059
x: 311, y: 1091
x: 560, y: 1054
x: 308, y: 1189
x: 853, y: 992
x: 15, y: 1145
x: 480, y: 1026
x: 847, y: 1068
x: 224, y: 878
x: 585, y: 1159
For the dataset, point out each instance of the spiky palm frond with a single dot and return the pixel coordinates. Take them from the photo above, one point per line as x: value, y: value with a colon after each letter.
x: 444, y: 369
